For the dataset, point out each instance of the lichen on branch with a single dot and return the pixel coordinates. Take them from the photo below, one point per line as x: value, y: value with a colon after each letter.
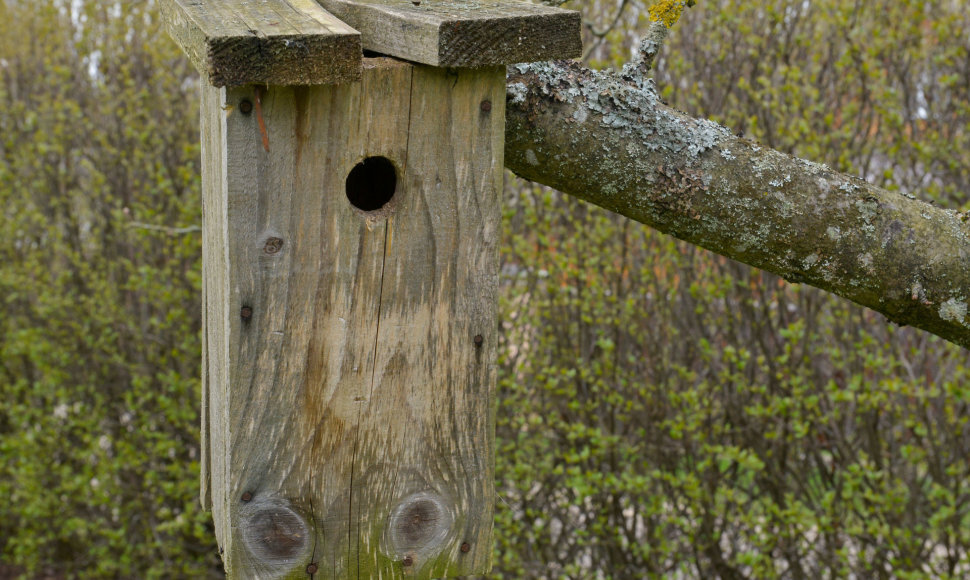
x: 668, y: 12
x: 608, y: 139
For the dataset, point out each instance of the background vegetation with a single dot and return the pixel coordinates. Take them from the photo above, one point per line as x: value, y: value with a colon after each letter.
x: 663, y: 412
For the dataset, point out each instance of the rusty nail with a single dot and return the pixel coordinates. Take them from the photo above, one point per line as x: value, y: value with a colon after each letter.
x: 247, y: 496
x: 245, y: 106
x: 246, y: 312
x: 479, y: 340
x: 486, y: 105
x: 407, y: 561
x: 273, y: 246
x: 312, y: 568
x: 465, y: 547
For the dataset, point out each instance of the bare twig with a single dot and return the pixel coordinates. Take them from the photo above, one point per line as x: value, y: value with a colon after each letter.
x: 167, y: 229
x: 650, y: 46
x: 600, y: 35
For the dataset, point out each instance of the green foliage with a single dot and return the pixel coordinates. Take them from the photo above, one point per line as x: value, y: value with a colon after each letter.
x: 665, y: 411
x: 99, y: 341
x: 879, y: 90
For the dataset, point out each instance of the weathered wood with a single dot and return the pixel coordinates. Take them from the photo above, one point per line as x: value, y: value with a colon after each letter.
x: 286, y: 42
x: 350, y: 404
x: 215, y: 287
x: 462, y: 33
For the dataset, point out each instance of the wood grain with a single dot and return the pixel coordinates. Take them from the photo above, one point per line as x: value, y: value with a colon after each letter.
x: 351, y: 414
x: 462, y: 33
x: 286, y: 42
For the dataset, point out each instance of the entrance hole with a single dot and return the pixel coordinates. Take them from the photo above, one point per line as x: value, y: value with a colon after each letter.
x: 371, y: 183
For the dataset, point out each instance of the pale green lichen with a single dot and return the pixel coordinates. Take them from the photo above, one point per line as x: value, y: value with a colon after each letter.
x: 628, y: 104
x: 954, y: 310
x: 517, y: 93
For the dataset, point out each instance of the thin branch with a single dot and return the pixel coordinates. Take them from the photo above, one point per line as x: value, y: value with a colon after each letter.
x: 600, y: 35
x: 167, y: 229
x: 651, y: 44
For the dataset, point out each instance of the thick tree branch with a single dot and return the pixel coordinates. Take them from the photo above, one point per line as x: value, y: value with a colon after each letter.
x: 610, y: 141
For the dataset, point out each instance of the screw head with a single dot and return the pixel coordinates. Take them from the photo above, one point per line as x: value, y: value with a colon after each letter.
x: 246, y: 312
x: 312, y: 568
x: 408, y: 560
x: 245, y: 106
x: 486, y: 105
x: 247, y: 496
x: 465, y: 547
x: 479, y: 340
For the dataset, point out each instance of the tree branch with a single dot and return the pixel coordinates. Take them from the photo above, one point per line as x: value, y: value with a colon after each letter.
x: 607, y: 139
x: 649, y: 48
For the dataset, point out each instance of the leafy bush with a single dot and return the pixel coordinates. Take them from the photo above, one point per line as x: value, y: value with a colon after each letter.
x: 99, y: 338
x: 663, y: 412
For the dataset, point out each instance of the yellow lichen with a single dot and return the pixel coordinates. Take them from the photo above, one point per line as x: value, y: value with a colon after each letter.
x: 668, y: 11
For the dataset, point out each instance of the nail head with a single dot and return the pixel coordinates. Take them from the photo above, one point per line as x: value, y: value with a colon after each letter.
x: 247, y: 496
x: 245, y: 106
x: 408, y: 560
x: 479, y: 340
x: 312, y: 568
x: 465, y: 547
x: 246, y: 312
x: 486, y: 105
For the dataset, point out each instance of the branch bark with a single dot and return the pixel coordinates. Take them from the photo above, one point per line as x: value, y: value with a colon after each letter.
x: 608, y: 139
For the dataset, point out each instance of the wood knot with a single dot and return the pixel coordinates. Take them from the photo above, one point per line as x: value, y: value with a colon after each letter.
x: 419, y: 526
x: 272, y: 246
x: 273, y: 532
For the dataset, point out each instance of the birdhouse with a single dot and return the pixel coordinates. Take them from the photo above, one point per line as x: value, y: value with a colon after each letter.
x: 351, y: 211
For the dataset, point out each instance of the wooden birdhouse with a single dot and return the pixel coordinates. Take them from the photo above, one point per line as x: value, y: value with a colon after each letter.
x: 351, y: 226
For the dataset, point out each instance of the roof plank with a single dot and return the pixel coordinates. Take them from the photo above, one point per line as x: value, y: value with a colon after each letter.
x: 282, y: 42
x: 462, y: 33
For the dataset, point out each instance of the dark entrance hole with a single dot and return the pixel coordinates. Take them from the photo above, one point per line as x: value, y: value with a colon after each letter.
x: 371, y: 183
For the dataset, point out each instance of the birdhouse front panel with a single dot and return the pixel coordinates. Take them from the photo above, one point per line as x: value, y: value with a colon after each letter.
x: 351, y: 267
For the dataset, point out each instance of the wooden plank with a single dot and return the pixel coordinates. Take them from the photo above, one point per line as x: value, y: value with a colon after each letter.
x: 462, y: 33
x: 427, y: 438
x: 286, y: 42
x: 215, y: 284
x: 350, y: 408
